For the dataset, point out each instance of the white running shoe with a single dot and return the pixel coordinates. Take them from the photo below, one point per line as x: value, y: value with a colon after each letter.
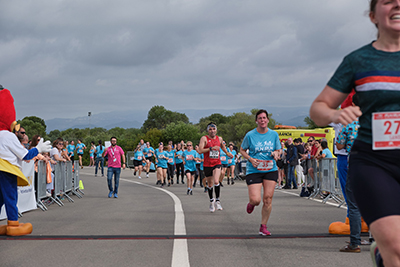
x: 140, y: 177
x: 212, y: 206
x: 218, y: 204
x: 147, y: 175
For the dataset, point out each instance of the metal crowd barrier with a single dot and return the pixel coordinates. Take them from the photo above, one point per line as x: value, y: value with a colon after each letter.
x: 326, y: 181
x: 130, y: 155
x: 65, y: 180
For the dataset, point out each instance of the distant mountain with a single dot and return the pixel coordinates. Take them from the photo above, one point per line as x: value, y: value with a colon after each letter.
x: 134, y: 119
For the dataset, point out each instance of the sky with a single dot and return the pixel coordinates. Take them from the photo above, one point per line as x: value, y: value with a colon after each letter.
x: 64, y: 58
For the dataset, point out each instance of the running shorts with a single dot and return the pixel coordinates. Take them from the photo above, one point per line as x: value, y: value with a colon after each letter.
x: 208, y: 171
x: 375, y: 181
x: 258, y: 177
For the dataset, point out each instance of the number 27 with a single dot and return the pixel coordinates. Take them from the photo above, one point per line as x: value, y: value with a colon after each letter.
x: 389, y: 125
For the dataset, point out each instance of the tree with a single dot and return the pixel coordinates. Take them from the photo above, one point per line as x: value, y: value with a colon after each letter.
x: 154, y: 137
x: 216, y: 118
x: 33, y: 125
x: 181, y: 131
x: 158, y: 117
x: 311, y: 124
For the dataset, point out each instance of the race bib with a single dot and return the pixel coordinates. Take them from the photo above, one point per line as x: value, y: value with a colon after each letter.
x: 149, y: 154
x: 179, y: 156
x: 189, y: 157
x: 229, y: 161
x: 265, y: 165
x: 223, y: 158
x: 214, y: 154
x: 170, y: 160
x: 139, y: 158
x: 386, y: 130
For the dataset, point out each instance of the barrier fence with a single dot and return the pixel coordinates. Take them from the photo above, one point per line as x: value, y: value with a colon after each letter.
x: 65, y: 181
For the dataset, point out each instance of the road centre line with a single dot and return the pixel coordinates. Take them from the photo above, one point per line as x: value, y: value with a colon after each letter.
x: 180, y: 254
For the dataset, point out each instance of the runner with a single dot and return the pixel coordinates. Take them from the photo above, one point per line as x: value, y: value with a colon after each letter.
x: 210, y: 145
x: 148, y: 153
x: 179, y: 163
x: 91, y: 154
x: 71, y: 150
x: 189, y: 160
x: 231, y: 165
x: 79, y: 150
x: 162, y: 161
x: 138, y: 159
x: 171, y: 164
x: 261, y: 147
x: 224, y: 165
x: 373, y: 72
x: 198, y: 164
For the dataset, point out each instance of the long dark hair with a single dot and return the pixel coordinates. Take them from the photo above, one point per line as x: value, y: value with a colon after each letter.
x: 101, y: 147
x: 34, y: 141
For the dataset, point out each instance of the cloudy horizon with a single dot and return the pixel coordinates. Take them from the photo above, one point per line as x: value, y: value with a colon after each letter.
x: 61, y: 59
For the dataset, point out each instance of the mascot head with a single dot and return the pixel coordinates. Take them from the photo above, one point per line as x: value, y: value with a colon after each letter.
x: 7, y: 111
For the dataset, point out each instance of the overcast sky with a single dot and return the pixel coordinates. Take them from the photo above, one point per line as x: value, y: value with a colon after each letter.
x: 63, y: 58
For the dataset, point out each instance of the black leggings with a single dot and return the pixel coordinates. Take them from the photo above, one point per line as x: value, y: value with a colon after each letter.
x: 179, y: 170
x: 375, y: 181
x: 170, y: 171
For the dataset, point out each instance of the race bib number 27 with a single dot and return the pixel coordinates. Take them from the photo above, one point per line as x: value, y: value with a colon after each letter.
x: 386, y: 130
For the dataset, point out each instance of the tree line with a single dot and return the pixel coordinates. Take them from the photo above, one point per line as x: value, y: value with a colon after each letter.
x: 161, y: 125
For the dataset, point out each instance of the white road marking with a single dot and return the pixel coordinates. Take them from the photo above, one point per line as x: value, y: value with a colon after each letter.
x: 180, y: 254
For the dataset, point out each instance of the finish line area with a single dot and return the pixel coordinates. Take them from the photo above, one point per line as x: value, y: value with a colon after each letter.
x: 152, y: 226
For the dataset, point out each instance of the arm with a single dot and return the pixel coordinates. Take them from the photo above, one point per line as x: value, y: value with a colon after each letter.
x: 223, y: 147
x: 340, y: 146
x: 253, y: 161
x: 323, y: 110
x: 203, y: 142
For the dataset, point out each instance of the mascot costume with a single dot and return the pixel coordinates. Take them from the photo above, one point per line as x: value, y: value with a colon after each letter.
x: 12, y: 153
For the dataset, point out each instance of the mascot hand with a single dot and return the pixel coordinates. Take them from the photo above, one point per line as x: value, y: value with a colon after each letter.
x: 43, y: 146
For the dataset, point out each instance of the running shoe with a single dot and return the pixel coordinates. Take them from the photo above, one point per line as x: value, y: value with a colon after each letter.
x: 140, y: 177
x: 183, y: 182
x: 110, y: 194
x: 263, y: 230
x: 221, y: 185
x: 134, y: 173
x: 147, y: 175
x: 169, y: 184
x: 205, y: 189
x: 115, y: 195
x: 158, y: 182
x: 350, y: 248
x: 188, y: 191
x: 376, y: 255
x: 250, y: 208
x: 232, y: 182
x: 212, y: 206
x: 172, y: 181
x: 218, y: 204
x: 191, y: 192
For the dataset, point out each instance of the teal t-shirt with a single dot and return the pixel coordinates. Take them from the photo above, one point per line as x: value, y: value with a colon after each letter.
x: 327, y: 153
x: 190, y: 162
x: 375, y: 76
x: 260, y: 147
x: 79, y: 148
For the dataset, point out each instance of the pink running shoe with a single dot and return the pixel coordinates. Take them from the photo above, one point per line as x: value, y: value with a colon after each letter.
x: 250, y: 208
x: 263, y: 230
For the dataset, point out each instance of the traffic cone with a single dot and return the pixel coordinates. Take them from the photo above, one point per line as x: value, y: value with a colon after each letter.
x: 81, y: 187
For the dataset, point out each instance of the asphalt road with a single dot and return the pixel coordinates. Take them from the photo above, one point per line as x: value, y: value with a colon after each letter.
x: 150, y: 226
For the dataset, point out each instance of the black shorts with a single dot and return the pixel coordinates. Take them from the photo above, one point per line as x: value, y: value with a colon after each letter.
x: 191, y: 172
x: 137, y: 163
x: 258, y: 177
x: 375, y: 181
x: 79, y: 154
x: 224, y: 165
x: 208, y: 171
x: 150, y: 159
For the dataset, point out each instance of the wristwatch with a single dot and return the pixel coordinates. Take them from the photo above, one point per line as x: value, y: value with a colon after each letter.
x: 210, y: 148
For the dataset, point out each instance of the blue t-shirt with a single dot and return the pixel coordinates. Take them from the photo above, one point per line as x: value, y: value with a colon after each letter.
x: 223, y: 157
x: 148, y: 152
x: 171, y: 156
x: 178, y: 156
x: 79, y: 148
x: 92, y: 152
x: 162, y: 158
x: 190, y: 162
x: 201, y: 156
x: 260, y: 147
x: 138, y: 155
x: 231, y: 161
x: 99, y: 151
x: 71, y: 149
x: 327, y: 153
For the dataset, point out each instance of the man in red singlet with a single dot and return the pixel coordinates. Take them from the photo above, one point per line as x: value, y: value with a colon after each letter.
x: 210, y: 146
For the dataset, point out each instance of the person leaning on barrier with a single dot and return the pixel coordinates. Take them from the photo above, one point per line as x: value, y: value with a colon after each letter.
x: 325, y: 153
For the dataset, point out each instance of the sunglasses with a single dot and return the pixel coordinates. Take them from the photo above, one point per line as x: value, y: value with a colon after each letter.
x: 22, y: 132
x: 61, y: 144
x: 188, y: 145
